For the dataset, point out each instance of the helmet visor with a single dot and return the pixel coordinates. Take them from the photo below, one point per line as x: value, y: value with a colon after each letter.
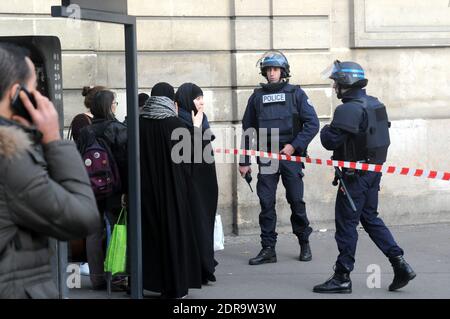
x: 330, y: 70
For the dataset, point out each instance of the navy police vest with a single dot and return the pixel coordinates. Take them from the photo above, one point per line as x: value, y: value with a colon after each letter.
x: 278, y: 110
x: 368, y: 142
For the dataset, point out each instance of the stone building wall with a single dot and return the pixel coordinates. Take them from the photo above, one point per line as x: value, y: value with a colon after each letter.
x: 404, y: 46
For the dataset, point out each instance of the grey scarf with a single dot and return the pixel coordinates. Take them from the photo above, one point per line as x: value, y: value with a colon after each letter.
x: 158, y: 108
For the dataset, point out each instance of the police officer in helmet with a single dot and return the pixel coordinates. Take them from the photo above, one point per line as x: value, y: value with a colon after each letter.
x: 283, y: 112
x: 359, y: 132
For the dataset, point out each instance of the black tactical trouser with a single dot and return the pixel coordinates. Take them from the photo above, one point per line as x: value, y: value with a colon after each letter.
x: 363, y: 189
x: 292, y: 178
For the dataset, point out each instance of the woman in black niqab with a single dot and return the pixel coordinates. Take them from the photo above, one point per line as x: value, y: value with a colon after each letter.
x: 204, y: 190
x: 171, y: 259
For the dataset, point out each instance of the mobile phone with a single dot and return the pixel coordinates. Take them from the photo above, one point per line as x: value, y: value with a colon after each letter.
x: 18, y: 107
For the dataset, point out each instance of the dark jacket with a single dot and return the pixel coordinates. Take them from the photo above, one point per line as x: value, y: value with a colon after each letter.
x: 333, y: 138
x: 44, y: 192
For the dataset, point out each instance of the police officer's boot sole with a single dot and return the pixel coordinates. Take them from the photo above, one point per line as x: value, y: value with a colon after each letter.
x: 333, y: 291
x: 263, y: 261
x: 402, y: 284
x: 307, y: 258
x: 338, y: 284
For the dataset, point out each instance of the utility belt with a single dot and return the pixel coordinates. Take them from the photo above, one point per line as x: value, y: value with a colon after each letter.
x: 351, y: 172
x: 296, y: 153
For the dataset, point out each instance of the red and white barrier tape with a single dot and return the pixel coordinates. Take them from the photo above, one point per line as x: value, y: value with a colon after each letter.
x: 359, y: 166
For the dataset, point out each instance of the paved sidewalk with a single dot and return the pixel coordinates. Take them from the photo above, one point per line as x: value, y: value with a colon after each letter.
x: 427, y: 250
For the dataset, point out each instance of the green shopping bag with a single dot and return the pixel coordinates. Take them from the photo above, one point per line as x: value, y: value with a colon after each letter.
x: 116, y: 255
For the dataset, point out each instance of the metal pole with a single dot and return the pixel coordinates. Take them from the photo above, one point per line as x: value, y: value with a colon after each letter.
x: 59, y: 266
x: 134, y: 181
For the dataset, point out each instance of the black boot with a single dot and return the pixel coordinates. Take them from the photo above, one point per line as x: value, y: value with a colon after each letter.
x: 340, y: 283
x: 305, y: 252
x: 403, y: 273
x: 266, y: 255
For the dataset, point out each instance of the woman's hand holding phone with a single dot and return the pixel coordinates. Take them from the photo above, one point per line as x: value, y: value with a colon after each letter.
x: 44, y: 116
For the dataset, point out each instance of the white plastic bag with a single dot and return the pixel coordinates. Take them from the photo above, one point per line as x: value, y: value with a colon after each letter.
x: 218, y: 234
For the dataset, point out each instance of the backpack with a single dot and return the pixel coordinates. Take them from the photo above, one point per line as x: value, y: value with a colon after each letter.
x: 101, y: 167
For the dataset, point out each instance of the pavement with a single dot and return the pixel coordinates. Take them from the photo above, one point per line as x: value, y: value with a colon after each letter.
x: 427, y: 250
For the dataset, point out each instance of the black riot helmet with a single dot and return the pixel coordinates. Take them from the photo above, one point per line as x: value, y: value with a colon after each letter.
x: 348, y: 75
x: 274, y: 58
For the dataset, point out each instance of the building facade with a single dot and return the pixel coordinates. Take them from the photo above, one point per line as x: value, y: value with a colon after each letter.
x: 403, y: 45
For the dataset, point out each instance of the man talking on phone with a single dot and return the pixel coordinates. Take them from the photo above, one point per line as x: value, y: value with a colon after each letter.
x: 44, y: 188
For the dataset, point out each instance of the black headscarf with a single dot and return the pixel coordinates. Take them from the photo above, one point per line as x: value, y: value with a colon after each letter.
x: 163, y: 89
x: 185, y: 96
x: 142, y: 98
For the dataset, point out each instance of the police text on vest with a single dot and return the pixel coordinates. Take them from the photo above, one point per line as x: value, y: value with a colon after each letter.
x: 274, y: 98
